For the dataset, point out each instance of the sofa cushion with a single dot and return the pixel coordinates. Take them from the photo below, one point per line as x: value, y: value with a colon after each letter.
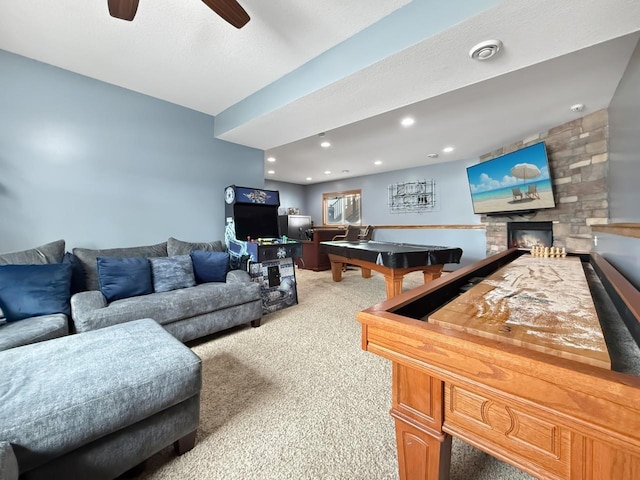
x: 124, y: 277
x: 33, y: 290
x: 171, y: 273
x: 88, y: 258
x: 60, y: 395
x: 48, y: 253
x: 32, y: 330
x: 210, y: 266
x: 178, y: 247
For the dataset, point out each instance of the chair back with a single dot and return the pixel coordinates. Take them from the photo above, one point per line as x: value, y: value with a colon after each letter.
x: 353, y: 233
x: 368, y: 233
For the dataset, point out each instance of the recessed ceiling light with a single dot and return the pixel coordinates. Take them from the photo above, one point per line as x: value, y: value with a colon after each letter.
x: 271, y: 159
x: 309, y: 179
x: 447, y: 149
x: 578, y: 107
x: 378, y: 162
x: 325, y: 144
x: 271, y: 172
x: 432, y: 155
x: 407, y: 122
x: 485, y: 50
x: 327, y: 172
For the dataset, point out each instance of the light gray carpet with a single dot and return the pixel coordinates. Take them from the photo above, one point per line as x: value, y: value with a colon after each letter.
x: 297, y: 398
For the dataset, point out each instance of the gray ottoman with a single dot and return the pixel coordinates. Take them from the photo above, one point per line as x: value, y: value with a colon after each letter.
x: 96, y: 404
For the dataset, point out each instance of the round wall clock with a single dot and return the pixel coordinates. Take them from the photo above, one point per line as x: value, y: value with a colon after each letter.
x: 229, y: 195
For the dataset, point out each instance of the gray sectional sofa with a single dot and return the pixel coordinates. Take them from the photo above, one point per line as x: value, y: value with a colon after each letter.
x: 187, y: 313
x: 66, y: 411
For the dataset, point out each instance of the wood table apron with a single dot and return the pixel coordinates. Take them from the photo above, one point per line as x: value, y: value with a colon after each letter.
x: 393, y: 277
x: 551, y: 416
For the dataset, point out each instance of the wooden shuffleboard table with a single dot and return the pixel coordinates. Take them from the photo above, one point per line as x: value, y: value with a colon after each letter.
x: 393, y: 260
x: 508, y: 355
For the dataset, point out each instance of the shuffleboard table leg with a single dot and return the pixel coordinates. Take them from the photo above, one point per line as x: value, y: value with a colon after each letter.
x: 424, y: 450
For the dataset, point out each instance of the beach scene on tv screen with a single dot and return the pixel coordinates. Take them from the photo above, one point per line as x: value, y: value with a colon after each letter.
x: 516, y: 181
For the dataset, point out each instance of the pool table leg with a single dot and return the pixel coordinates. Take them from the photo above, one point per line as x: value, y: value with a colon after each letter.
x: 336, y: 271
x: 432, y: 272
x: 366, y: 272
x: 393, y: 283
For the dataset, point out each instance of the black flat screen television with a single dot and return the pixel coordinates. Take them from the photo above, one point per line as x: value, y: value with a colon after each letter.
x: 255, y: 221
x: 515, y: 182
x: 294, y: 226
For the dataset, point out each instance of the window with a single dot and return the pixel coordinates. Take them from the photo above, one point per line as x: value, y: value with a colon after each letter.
x: 342, y: 208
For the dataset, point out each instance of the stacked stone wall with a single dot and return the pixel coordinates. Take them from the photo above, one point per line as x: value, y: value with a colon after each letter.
x: 578, y: 163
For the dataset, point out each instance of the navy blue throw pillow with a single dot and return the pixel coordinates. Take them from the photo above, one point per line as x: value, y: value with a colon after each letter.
x: 210, y: 266
x: 78, y: 283
x: 124, y: 277
x: 34, y: 290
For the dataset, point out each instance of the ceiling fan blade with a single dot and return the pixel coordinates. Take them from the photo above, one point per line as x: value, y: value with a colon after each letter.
x: 230, y: 10
x: 123, y: 9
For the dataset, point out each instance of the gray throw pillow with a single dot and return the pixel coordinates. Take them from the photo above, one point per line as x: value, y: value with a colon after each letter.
x: 171, y: 273
x: 178, y: 247
x: 42, y: 255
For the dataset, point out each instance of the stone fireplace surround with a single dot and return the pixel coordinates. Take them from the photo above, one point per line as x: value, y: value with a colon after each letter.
x: 578, y: 162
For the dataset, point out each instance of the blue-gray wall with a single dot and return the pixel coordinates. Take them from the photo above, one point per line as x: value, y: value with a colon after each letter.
x: 453, y: 207
x: 291, y: 195
x: 624, y: 172
x: 102, y: 166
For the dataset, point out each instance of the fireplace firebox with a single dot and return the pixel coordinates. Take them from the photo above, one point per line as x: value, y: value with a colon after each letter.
x: 529, y: 234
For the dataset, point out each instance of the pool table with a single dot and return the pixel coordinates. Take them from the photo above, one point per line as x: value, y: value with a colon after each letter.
x: 393, y: 260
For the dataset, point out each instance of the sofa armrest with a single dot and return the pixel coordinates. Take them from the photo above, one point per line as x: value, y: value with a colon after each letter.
x: 87, y: 301
x: 238, y: 276
x: 82, y: 305
x: 8, y: 462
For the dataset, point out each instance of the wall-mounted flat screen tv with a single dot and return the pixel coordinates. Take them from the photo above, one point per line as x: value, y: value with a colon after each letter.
x: 516, y: 182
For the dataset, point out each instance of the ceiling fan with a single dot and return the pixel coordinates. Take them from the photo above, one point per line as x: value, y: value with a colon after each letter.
x: 229, y: 10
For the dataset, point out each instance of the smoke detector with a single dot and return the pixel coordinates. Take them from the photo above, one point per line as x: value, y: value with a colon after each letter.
x: 485, y: 50
x: 578, y: 107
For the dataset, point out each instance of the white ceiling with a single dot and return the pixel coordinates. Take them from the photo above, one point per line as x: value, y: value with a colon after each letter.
x: 555, y: 54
